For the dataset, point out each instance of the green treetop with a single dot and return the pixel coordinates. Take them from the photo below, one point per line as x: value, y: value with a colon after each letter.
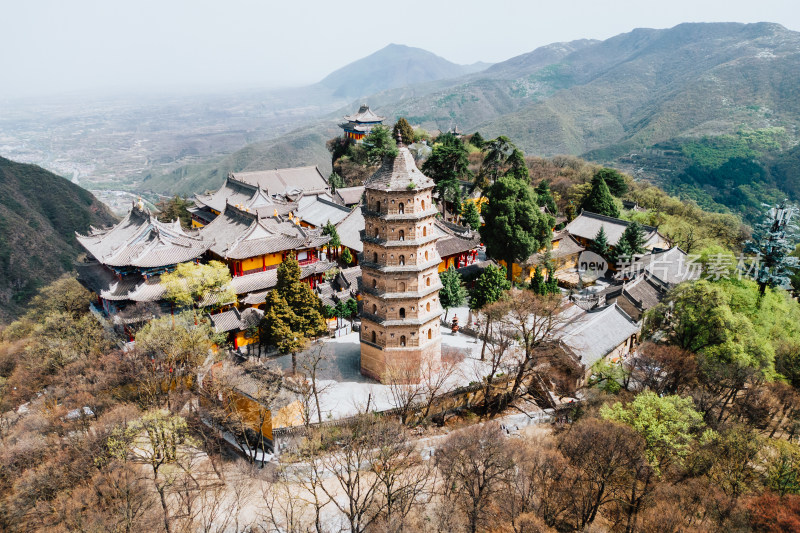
x: 336, y: 181
x: 301, y: 300
x: 494, y: 163
x: 477, y: 140
x: 347, y: 257
x: 514, y: 226
x: 404, y: 128
x: 489, y: 287
x: 452, y: 293
x: 470, y: 215
x: 446, y: 165
x: 615, y: 181
x: 517, y: 168
x: 599, y: 199
x: 277, y: 326
x: 538, y: 284
x: 545, y: 197
x: 189, y: 283
x: 631, y: 242
x: 599, y: 244
x: 668, y: 424
x: 379, y: 145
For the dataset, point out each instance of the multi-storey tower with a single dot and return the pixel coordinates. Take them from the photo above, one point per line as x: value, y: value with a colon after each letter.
x: 399, y: 265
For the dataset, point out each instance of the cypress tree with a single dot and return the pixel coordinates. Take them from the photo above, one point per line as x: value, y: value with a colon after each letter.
x: 634, y: 236
x: 470, y: 215
x: 614, y: 180
x: 537, y: 282
x: 301, y: 300
x: 600, y: 243
x: 514, y: 227
x: 452, y: 293
x: 546, y: 197
x: 599, y: 199
x: 404, y: 128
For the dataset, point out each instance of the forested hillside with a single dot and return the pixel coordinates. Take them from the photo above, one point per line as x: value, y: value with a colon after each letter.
x: 39, y: 215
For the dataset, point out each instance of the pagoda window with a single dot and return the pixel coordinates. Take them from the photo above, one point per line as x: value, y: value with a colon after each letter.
x: 375, y: 257
x: 402, y: 340
x: 428, y: 306
x: 402, y: 260
x: 423, y: 205
x: 402, y: 235
x: 402, y: 287
x: 401, y: 208
x: 430, y: 335
x: 374, y: 309
x: 375, y: 337
x: 402, y: 312
x: 377, y: 232
x: 428, y: 281
x: 374, y: 283
x: 378, y: 206
x: 424, y: 231
x: 426, y: 255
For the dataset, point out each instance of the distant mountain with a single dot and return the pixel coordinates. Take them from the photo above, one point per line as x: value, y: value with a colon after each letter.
x: 672, y: 105
x: 394, y: 66
x: 39, y: 215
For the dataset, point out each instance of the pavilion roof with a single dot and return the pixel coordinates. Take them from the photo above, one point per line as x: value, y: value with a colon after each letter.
x: 364, y: 114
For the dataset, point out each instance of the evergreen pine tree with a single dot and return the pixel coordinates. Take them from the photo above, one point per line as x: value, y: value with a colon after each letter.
x: 545, y: 197
x: 452, y: 293
x: 537, y: 282
x: 470, y: 215
x: 336, y: 181
x: 347, y: 257
x: 275, y: 328
x: 477, y: 140
x: 634, y: 236
x: 379, y: 145
x: 614, y: 180
x: 599, y: 199
x: 334, y: 244
x: 623, y: 251
x: 404, y: 128
x: 517, y: 168
x: 301, y: 299
x: 514, y: 227
x: 600, y: 243
x: 489, y: 286
x: 552, y: 285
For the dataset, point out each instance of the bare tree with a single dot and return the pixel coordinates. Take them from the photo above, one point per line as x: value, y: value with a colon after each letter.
x: 436, y: 380
x: 474, y: 464
x: 361, y: 504
x: 405, y: 479
x: 530, y: 319
x: 405, y: 387
x: 312, y: 363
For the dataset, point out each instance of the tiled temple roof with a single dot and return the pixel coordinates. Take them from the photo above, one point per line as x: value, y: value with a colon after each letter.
x: 239, y: 234
x: 141, y: 240
x: 364, y: 115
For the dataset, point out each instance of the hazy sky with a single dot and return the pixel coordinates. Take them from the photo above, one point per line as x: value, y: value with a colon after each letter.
x: 49, y: 47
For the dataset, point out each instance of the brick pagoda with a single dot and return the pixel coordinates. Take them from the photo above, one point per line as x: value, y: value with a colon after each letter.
x: 400, y: 327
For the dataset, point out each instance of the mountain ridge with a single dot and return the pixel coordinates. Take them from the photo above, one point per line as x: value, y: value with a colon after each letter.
x: 604, y: 99
x: 39, y: 215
